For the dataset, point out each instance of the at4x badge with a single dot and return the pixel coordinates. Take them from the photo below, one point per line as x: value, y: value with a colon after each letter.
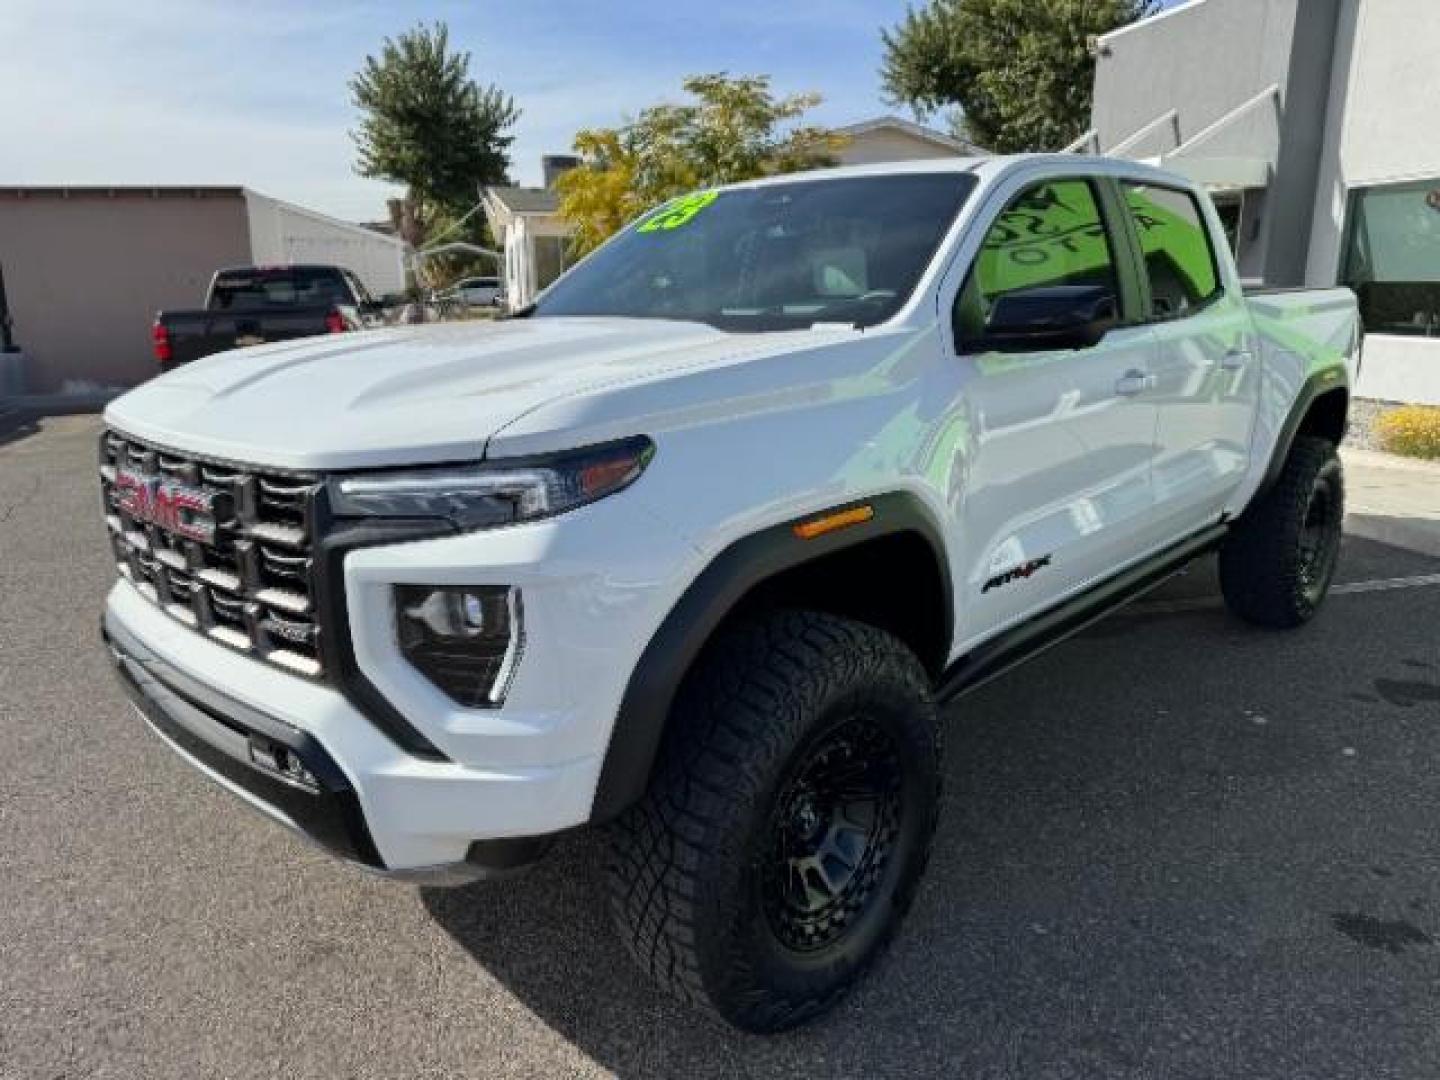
x: 1018, y: 573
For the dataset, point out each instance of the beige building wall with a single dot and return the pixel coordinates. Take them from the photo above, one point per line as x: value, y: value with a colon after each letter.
x: 870, y: 147
x: 86, y: 271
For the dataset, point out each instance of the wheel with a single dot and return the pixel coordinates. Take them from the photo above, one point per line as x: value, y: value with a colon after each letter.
x: 788, y: 822
x: 1277, y: 564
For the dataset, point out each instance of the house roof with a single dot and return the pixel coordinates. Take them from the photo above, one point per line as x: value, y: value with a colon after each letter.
x: 525, y: 200
x: 119, y: 191
x: 909, y: 127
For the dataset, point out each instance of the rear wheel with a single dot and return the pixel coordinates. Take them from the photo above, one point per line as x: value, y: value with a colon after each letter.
x: 789, y: 821
x: 1277, y: 564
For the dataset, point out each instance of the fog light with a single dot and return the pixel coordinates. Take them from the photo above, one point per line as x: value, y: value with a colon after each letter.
x: 281, y: 760
x: 465, y: 639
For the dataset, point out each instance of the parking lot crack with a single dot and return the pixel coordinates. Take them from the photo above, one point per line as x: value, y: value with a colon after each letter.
x: 9, y: 510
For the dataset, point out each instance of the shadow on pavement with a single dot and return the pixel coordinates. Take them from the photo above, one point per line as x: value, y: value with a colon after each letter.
x: 1179, y: 847
x: 15, y: 425
x: 1417, y: 534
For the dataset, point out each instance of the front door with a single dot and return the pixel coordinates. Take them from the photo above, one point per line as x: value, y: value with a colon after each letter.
x: 1057, y: 491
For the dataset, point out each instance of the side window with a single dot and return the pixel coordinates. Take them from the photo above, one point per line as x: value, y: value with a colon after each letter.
x: 1051, y: 234
x: 1179, y: 256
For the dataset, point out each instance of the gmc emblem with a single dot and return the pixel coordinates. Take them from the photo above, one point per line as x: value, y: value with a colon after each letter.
x: 185, y: 511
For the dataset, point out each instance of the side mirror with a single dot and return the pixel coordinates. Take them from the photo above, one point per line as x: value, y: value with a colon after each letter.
x: 1046, y: 318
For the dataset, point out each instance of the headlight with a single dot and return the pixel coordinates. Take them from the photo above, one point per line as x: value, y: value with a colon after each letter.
x: 491, y: 493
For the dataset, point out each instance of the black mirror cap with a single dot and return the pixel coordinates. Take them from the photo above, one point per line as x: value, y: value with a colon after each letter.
x: 1050, y: 317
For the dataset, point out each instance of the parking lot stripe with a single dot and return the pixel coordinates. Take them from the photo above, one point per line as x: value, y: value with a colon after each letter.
x: 1203, y: 603
x: 1385, y: 584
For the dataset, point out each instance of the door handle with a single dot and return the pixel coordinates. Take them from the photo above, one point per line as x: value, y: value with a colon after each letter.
x: 1134, y: 382
x: 1234, y: 360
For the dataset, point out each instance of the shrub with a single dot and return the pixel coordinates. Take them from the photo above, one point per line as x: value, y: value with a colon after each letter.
x: 1413, y: 430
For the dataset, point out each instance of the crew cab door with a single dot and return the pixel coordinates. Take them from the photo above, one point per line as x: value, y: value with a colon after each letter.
x: 1206, y: 381
x: 1056, y: 492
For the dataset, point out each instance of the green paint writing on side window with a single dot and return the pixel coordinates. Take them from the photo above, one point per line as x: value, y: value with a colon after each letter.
x: 678, y: 213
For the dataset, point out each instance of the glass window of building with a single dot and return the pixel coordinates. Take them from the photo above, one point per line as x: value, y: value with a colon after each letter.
x: 1392, y: 257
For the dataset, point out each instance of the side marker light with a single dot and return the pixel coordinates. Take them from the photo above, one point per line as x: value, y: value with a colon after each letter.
x: 841, y: 519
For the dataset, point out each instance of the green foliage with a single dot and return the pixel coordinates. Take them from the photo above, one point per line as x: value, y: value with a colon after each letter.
x: 1018, y: 71
x: 734, y: 130
x: 427, y: 124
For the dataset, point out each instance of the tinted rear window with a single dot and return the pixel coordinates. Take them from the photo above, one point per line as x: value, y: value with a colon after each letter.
x: 1179, y: 256
x: 278, y: 288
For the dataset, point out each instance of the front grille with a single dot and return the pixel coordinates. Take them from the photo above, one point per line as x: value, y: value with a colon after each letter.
x: 225, y: 549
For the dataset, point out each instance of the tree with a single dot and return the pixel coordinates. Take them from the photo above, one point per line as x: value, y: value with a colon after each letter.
x: 428, y: 125
x: 1019, y: 72
x: 735, y: 129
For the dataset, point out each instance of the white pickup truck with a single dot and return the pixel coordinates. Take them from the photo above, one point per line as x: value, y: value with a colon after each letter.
x: 697, y: 547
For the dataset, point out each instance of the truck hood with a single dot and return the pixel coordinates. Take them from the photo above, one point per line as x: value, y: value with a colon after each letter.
x: 403, y: 396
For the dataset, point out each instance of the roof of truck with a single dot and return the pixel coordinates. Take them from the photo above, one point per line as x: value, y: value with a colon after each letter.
x: 988, y: 166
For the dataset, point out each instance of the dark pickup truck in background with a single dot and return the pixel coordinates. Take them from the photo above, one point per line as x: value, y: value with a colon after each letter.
x: 247, y: 305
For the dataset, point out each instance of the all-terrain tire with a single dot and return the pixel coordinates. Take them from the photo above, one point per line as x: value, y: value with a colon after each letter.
x: 1277, y: 563
x: 711, y: 882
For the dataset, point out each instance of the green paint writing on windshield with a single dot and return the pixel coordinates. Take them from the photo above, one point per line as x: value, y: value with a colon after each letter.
x: 678, y: 213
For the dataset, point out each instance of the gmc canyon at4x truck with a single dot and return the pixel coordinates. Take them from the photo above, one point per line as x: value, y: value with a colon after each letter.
x: 696, y: 547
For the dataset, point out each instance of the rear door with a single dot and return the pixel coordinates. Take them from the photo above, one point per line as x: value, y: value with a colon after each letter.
x: 1206, y: 378
x: 1057, y: 493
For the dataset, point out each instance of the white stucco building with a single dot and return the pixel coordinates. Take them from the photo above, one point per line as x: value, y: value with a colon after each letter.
x: 1316, y: 124
x: 533, y: 238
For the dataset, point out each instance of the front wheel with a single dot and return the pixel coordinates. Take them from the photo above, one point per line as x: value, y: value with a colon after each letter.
x: 788, y: 823
x: 1277, y: 564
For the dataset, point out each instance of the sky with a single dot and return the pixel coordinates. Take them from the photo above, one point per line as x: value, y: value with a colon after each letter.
x: 254, y: 93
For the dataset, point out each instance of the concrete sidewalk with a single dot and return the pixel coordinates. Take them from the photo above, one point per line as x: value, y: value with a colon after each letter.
x: 1392, y: 500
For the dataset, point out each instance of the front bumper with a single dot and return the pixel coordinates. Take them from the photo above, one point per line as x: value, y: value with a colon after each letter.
x: 503, y: 779
x: 214, y: 731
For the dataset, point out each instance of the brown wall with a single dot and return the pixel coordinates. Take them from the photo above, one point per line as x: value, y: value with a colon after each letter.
x: 86, y: 272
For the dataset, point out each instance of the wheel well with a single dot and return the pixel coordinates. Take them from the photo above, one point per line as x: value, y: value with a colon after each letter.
x: 1327, y: 416
x: 894, y: 582
x: 888, y: 571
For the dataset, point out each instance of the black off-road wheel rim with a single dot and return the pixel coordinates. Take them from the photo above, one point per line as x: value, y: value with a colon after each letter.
x: 833, y: 833
x: 1319, y: 539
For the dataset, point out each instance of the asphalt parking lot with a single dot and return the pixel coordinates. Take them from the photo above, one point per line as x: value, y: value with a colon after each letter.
x: 1174, y: 847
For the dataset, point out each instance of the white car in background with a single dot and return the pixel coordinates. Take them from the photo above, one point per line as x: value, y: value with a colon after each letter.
x: 476, y: 291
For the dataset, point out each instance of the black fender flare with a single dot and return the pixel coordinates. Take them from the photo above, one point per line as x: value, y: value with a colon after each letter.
x: 749, y: 561
x: 1330, y: 380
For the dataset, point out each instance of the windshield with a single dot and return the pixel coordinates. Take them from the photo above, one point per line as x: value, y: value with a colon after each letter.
x: 774, y: 257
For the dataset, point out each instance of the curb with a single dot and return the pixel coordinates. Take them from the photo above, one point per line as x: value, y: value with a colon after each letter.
x: 1411, y: 534
x: 62, y: 404
x: 1374, y: 459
